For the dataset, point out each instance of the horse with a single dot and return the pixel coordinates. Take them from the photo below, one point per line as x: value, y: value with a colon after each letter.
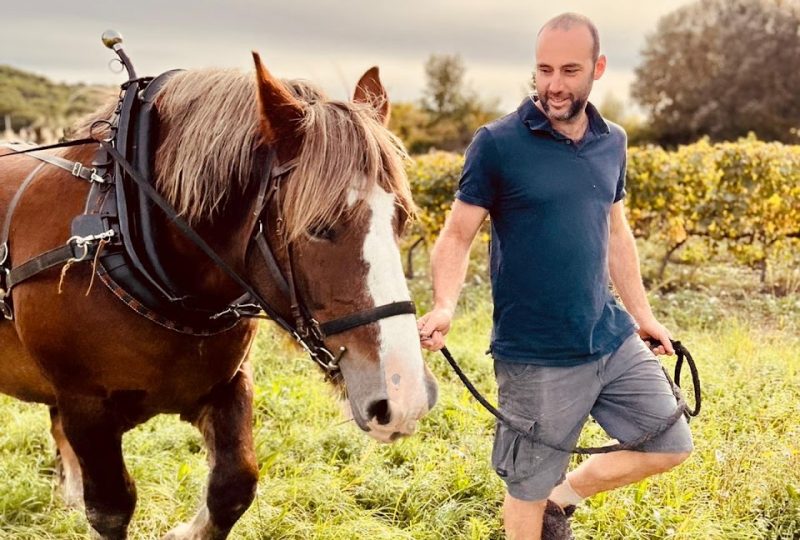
x: 333, y: 228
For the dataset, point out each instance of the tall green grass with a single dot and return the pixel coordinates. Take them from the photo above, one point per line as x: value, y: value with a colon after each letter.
x: 323, y: 479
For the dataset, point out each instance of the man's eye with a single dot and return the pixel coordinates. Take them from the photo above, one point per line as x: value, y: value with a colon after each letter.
x: 321, y: 232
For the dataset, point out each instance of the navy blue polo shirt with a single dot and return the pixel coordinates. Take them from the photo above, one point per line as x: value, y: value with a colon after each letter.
x: 549, y: 199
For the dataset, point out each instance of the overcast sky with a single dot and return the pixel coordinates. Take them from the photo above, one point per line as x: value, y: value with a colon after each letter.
x: 329, y: 42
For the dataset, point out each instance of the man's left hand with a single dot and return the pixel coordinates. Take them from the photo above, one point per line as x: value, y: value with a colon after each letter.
x: 656, y: 331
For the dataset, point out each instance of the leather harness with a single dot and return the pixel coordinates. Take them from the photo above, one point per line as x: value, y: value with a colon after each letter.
x: 120, y: 230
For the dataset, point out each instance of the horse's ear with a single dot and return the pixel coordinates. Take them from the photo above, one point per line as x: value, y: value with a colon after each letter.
x: 370, y: 90
x: 280, y: 111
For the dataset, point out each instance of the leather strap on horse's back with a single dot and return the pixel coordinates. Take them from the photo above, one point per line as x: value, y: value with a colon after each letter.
x: 6, y: 271
x: 5, y: 255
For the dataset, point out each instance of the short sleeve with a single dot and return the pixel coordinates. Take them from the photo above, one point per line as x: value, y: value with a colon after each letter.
x: 620, y: 193
x: 478, y: 183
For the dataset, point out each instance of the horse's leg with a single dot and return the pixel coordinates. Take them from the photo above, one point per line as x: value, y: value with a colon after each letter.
x: 95, y: 434
x: 68, y: 469
x: 225, y: 420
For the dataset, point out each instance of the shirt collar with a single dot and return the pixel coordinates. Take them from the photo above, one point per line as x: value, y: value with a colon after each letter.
x: 536, y: 120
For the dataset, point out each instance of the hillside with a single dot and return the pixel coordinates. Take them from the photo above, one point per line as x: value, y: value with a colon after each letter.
x: 29, y: 101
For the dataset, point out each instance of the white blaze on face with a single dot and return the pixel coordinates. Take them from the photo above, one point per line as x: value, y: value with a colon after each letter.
x: 400, y: 354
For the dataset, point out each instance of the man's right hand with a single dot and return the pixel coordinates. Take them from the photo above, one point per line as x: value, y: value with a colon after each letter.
x: 433, y: 326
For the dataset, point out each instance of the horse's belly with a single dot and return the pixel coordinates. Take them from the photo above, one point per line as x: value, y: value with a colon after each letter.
x: 20, y: 375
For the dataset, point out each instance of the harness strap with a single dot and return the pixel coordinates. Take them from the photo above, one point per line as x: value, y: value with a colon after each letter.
x: 295, y: 308
x: 269, y: 259
x: 368, y: 316
x: 75, y: 168
x: 65, y: 144
x: 42, y: 262
x: 12, y: 276
x: 4, y: 251
x: 189, y: 233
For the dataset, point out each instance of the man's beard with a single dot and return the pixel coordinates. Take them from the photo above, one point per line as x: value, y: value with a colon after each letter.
x: 576, y: 106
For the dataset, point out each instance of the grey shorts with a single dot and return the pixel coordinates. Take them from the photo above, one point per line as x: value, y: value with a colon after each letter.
x: 626, y: 392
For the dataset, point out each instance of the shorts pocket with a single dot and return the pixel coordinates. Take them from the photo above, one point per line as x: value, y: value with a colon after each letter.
x: 510, y: 369
x: 514, y: 456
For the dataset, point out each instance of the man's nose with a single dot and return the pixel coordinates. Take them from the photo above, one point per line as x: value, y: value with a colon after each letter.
x: 556, y: 83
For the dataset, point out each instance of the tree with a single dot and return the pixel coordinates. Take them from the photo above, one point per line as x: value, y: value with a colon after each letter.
x: 409, y: 122
x: 455, y: 110
x: 723, y: 68
x: 445, y: 92
x: 612, y: 108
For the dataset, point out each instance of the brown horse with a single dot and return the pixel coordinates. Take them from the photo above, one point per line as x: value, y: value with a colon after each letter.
x: 103, y: 368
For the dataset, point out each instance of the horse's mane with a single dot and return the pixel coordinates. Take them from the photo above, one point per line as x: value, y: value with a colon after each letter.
x: 213, y: 136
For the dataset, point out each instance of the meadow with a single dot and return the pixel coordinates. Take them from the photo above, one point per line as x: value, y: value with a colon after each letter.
x: 321, y: 478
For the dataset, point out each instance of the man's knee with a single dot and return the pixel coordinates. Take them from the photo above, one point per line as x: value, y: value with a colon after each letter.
x: 514, y: 502
x: 663, y: 462
x: 523, y: 519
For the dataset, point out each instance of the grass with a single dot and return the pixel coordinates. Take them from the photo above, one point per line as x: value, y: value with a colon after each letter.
x: 325, y: 480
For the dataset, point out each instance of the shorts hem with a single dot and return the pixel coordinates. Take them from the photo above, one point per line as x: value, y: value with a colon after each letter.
x: 673, y: 449
x: 524, y: 495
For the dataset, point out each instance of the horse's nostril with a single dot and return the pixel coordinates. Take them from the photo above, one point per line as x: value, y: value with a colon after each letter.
x: 380, y: 411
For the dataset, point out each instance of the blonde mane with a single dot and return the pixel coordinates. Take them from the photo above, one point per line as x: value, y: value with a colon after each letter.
x: 213, y: 136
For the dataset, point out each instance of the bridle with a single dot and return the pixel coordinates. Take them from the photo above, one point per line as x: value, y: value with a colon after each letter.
x: 301, y: 325
x: 304, y: 327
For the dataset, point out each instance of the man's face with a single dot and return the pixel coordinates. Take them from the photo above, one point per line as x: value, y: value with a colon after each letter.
x: 565, y: 71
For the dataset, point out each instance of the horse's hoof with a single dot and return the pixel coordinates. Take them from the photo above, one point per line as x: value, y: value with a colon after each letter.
x: 200, y: 528
x: 178, y: 533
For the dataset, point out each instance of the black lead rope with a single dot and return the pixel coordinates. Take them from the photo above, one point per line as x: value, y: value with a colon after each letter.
x: 681, y: 409
x: 683, y: 354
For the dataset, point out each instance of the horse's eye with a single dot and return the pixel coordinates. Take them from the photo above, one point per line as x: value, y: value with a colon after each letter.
x: 322, y: 232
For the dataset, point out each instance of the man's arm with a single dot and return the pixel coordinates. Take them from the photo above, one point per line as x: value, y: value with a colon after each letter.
x: 449, y: 262
x: 623, y: 265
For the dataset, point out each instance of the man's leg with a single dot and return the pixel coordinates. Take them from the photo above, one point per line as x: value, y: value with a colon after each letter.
x: 636, y: 398
x: 523, y: 519
x: 609, y: 471
x: 552, y: 404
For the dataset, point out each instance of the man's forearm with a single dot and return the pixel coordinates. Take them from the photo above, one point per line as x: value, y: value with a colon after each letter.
x: 449, y: 262
x: 623, y: 265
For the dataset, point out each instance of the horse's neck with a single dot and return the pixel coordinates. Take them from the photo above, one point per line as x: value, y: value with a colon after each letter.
x: 226, y: 233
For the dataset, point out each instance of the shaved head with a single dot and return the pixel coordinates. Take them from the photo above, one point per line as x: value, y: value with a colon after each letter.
x: 567, y: 21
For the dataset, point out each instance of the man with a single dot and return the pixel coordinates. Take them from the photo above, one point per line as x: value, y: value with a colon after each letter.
x: 551, y: 175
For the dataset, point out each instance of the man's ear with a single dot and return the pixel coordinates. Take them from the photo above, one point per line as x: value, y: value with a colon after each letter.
x: 600, y: 66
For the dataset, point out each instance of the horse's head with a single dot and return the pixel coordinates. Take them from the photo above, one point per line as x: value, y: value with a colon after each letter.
x: 343, y: 208
x: 334, y: 224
